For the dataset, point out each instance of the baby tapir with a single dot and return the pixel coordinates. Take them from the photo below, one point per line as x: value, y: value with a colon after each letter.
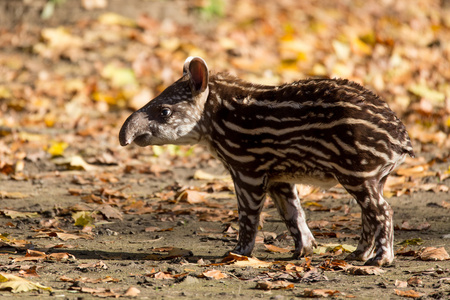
x: 316, y: 131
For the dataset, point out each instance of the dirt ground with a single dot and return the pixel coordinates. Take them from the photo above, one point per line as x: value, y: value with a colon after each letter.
x: 123, y: 249
x: 124, y: 246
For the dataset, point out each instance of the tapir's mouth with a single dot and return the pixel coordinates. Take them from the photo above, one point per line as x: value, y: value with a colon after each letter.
x: 143, y: 140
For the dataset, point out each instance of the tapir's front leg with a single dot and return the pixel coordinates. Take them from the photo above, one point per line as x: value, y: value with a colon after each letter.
x: 285, y: 197
x: 250, y: 195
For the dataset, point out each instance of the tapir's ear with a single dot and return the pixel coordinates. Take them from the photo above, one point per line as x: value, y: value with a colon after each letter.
x: 198, y: 73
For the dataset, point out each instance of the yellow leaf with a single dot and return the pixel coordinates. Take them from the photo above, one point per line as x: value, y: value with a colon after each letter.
x: 341, y: 49
x: 423, y: 91
x: 74, y: 163
x: 447, y: 122
x: 119, y: 76
x: 358, y: 46
x: 18, y: 284
x: 57, y: 148
x: 333, y: 247
x: 115, y: 19
x: 12, y: 195
x: 17, y: 214
x: 83, y: 218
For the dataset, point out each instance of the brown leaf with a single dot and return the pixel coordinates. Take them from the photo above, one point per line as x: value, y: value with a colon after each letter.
x: 214, y: 274
x: 274, y: 285
x: 318, y: 224
x: 295, y: 268
x: 32, y: 255
x: 245, y: 261
x: 13, y: 195
x: 61, y: 256
x: 406, y: 226
x: 30, y: 272
x: 364, y: 270
x: 110, y: 212
x: 400, y: 284
x: 432, y: 253
x: 69, y: 236
x: 93, y: 265
x: 132, y: 292
x: 163, y: 275
x: 320, y: 293
x: 419, y: 170
x: 172, y: 252
x: 445, y: 204
x: 192, y: 197
x: 415, y: 281
x: 272, y: 248
x: 408, y: 294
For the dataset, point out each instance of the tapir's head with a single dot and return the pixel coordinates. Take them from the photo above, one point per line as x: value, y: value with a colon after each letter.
x: 173, y: 116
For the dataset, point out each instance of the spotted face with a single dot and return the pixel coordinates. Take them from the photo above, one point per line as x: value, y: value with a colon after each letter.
x: 173, y: 116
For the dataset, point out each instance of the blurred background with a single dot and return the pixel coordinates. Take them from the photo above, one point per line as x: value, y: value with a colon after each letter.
x: 71, y: 71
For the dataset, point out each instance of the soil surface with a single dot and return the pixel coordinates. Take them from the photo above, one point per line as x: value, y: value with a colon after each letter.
x: 129, y: 247
x: 124, y: 246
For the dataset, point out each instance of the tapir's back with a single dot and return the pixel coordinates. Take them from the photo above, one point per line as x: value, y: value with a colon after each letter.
x: 321, y: 128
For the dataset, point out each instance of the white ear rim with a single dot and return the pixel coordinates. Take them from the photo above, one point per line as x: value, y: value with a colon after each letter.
x: 187, y: 62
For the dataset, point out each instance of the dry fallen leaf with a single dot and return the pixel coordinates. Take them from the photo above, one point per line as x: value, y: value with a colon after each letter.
x: 408, y: 294
x: 237, y: 260
x: 163, y: 275
x: 132, y: 292
x: 17, y: 214
x: 12, y: 195
x: 110, y: 212
x: 93, y: 265
x: 320, y: 293
x: 89, y: 280
x: 214, y: 274
x: 203, y: 175
x: 432, y: 253
x: 172, y: 252
x: 400, y: 283
x: 192, y: 196
x: 272, y: 248
x: 274, y: 285
x: 415, y: 281
x: 17, y: 284
x: 364, y: 270
x: 69, y: 236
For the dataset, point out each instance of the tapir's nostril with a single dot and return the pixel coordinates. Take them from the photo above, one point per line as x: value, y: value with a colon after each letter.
x: 124, y: 143
x: 136, y: 125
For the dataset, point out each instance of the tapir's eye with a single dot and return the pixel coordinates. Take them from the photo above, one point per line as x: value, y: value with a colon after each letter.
x: 165, y: 112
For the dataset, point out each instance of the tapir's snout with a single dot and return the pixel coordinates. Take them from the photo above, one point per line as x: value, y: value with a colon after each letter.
x: 135, y: 129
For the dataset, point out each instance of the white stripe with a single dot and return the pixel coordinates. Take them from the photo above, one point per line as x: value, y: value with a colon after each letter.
x: 250, y: 180
x: 218, y: 128
x: 373, y: 151
x: 243, y: 159
x: 345, y: 146
x: 278, y: 132
x: 231, y: 144
x: 355, y: 173
x: 267, y: 165
x: 265, y: 150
